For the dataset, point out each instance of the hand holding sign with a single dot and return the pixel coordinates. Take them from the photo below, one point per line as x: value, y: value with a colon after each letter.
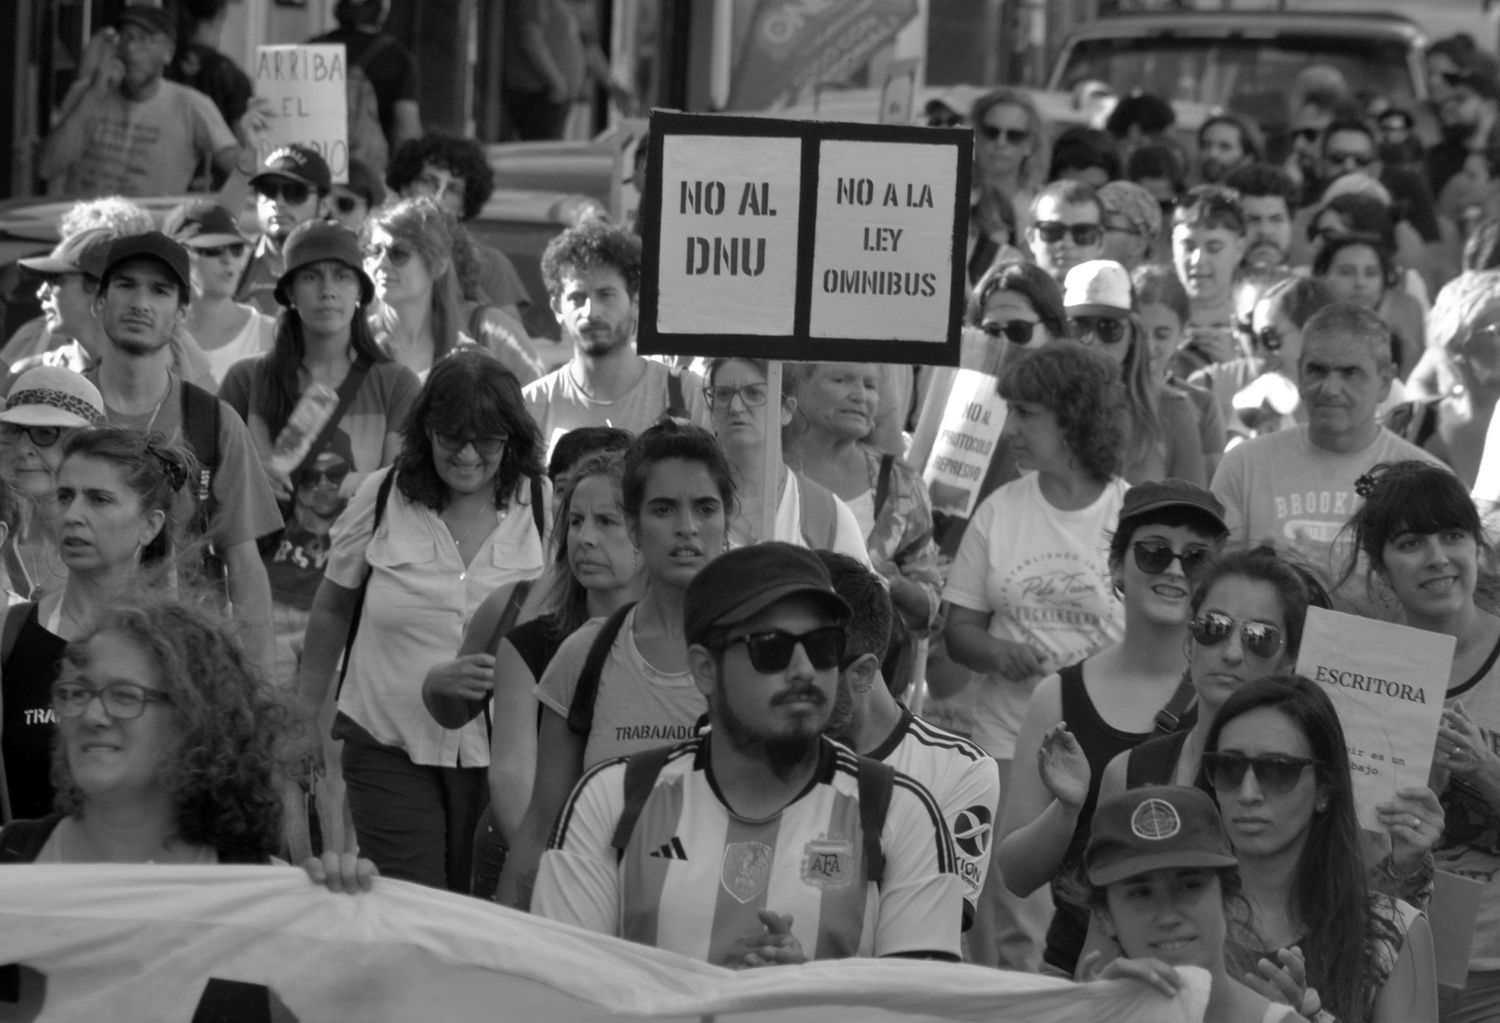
x: 1415, y: 822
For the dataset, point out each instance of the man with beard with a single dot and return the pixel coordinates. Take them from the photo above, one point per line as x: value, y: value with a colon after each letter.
x: 292, y: 190
x: 1226, y: 143
x: 759, y: 842
x: 964, y: 779
x: 1267, y: 198
x: 593, y: 276
x: 142, y: 301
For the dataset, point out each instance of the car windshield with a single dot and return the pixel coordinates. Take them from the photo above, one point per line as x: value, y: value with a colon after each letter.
x: 1250, y: 75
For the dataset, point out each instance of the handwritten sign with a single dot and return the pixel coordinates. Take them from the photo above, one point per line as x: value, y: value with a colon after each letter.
x: 1387, y: 683
x: 965, y: 442
x: 305, y: 86
x: 807, y: 241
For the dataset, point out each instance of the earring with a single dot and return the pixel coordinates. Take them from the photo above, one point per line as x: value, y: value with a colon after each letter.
x: 1321, y: 805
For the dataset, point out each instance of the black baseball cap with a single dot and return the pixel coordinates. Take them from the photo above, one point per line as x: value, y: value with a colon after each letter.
x: 742, y: 583
x: 1157, y: 495
x: 152, y: 19
x: 297, y: 163
x: 152, y: 245
x: 202, y: 223
x: 84, y: 253
x: 1155, y: 828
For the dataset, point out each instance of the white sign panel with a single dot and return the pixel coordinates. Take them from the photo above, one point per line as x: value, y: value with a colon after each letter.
x: 966, y: 438
x: 305, y: 86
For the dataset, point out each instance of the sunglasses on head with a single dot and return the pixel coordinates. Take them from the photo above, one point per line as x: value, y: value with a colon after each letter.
x: 772, y: 651
x: 334, y: 475
x: 40, y: 436
x: 346, y: 203
x: 235, y: 249
x: 1153, y: 557
x: 1259, y: 638
x: 293, y: 192
x: 397, y: 253
x: 487, y: 446
x: 1018, y: 332
x: 1053, y: 231
x: 1109, y: 331
x: 1015, y: 136
x: 1275, y: 774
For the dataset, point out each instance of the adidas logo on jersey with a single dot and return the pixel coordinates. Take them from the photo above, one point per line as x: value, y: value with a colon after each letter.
x: 672, y: 850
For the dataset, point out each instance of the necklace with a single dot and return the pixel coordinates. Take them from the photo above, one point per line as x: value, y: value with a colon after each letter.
x: 462, y: 537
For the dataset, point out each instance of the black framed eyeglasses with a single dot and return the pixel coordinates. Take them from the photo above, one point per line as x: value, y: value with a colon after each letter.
x: 293, y: 192
x: 1053, y: 231
x: 40, y: 436
x: 1014, y: 136
x: 123, y: 701
x: 235, y: 249
x: 1107, y: 329
x: 771, y: 651
x: 753, y: 395
x: 1019, y: 332
x: 1276, y: 773
x: 1260, y: 638
x: 398, y: 254
x: 1153, y: 557
x: 487, y: 446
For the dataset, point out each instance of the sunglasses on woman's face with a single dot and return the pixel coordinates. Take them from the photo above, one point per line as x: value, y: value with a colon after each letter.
x: 40, y: 436
x: 771, y: 652
x: 1018, y: 332
x: 398, y: 254
x: 486, y: 446
x: 1153, y: 557
x: 346, y: 204
x: 1109, y: 331
x: 235, y: 249
x: 1275, y: 774
x: 1259, y: 638
x: 1014, y: 136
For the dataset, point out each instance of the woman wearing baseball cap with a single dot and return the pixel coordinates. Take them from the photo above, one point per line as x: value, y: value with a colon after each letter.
x: 227, y: 331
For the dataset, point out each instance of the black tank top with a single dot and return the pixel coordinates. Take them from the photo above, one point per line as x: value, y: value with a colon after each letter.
x: 29, y: 724
x: 1101, y: 743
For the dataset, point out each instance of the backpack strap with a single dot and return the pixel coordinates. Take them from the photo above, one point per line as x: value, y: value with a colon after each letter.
x: 876, y: 780
x: 883, y: 482
x: 676, y: 404
x: 538, y: 513
x: 382, y: 495
x: 581, y: 709
x: 641, y: 771
x: 513, y: 605
x: 22, y: 841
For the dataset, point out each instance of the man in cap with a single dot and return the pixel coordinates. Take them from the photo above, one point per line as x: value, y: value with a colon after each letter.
x: 759, y: 842
x: 143, y: 297
x: 291, y: 190
x: 69, y: 280
x: 125, y: 129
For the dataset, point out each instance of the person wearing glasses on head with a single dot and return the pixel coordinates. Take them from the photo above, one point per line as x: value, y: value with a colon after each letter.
x: 1086, y: 714
x: 1277, y: 764
x: 1161, y: 427
x: 290, y: 191
x: 418, y: 255
x: 1067, y: 227
x: 461, y: 513
x: 762, y: 805
x: 225, y: 329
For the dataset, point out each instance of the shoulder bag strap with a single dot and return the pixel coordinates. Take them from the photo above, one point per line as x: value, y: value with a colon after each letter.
x: 382, y: 495
x: 353, y: 380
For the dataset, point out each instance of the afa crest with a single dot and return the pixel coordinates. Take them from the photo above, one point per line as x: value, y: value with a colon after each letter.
x: 828, y: 863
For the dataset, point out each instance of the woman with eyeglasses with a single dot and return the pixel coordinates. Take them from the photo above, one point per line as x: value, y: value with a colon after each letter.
x: 679, y: 495
x: 412, y: 250
x: 460, y: 514
x: 807, y: 513
x: 116, y: 490
x: 1427, y: 548
x: 1277, y: 764
x: 1083, y: 716
x: 227, y: 331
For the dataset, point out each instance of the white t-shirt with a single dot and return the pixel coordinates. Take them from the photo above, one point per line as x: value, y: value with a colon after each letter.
x: 847, y: 538
x: 254, y: 337
x: 1043, y: 575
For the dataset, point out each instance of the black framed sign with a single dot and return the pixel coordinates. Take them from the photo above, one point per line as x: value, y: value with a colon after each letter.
x: 804, y: 240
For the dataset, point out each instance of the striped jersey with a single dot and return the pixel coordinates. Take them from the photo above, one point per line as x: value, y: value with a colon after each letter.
x: 965, y: 781
x: 694, y: 874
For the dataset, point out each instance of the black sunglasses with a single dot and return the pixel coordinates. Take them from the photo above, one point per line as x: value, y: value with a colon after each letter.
x: 1109, y: 331
x: 1153, y: 557
x: 1275, y: 774
x: 295, y: 193
x: 398, y: 254
x: 487, y: 446
x: 235, y: 249
x: 1360, y: 160
x: 41, y: 436
x: 1053, y: 231
x: 345, y: 203
x: 334, y: 475
x: 1015, y: 136
x: 1016, y: 331
x: 772, y: 651
x: 1307, y: 134
x: 1269, y: 338
x: 1259, y: 638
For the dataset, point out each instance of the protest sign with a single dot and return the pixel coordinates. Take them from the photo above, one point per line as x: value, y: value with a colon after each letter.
x: 803, y: 240
x: 305, y: 87
x: 1387, y: 682
x: 966, y: 439
x: 257, y: 944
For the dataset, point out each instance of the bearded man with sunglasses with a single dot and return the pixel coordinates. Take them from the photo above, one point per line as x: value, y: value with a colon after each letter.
x: 292, y: 190
x: 760, y: 842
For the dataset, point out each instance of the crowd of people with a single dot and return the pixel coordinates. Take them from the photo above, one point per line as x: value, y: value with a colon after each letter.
x: 1063, y: 733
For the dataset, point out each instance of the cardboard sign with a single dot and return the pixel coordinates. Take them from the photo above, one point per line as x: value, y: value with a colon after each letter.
x: 305, y: 85
x: 806, y: 241
x: 1387, y: 682
x: 965, y: 442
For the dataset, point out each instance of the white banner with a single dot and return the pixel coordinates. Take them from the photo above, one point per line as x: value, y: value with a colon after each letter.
x: 263, y: 943
x: 305, y: 86
x: 973, y: 419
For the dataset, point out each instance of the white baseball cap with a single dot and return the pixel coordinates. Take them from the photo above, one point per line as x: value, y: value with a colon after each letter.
x: 1098, y: 287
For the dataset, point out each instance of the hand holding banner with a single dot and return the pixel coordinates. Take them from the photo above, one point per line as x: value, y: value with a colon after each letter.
x: 305, y: 87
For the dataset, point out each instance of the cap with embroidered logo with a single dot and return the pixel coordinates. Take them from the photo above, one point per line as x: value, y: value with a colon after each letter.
x: 296, y: 163
x: 1155, y: 828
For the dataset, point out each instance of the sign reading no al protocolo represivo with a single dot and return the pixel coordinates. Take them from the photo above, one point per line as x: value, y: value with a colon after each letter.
x: 804, y: 240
